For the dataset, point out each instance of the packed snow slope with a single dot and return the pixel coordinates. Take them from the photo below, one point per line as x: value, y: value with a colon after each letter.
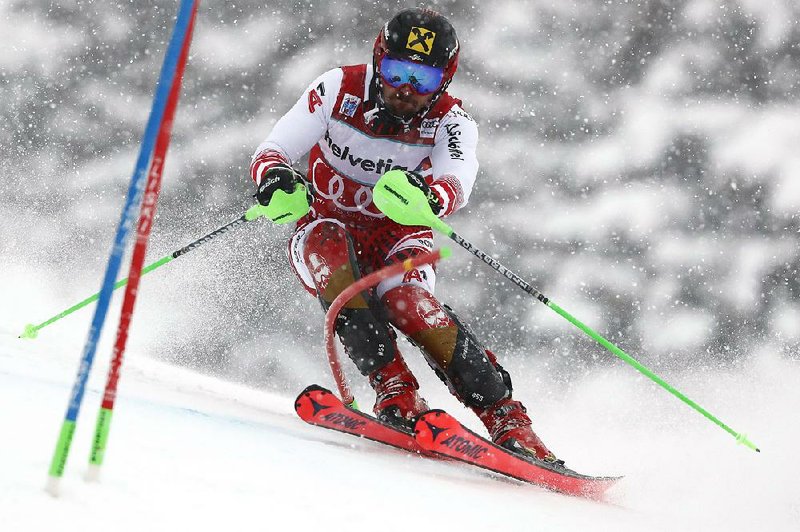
x: 191, y: 452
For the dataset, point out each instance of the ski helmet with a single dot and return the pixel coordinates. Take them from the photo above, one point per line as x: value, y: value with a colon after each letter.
x: 418, y: 35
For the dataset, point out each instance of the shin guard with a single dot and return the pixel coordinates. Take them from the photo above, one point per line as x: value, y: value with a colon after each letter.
x: 472, y: 372
x: 367, y: 340
x: 451, y: 348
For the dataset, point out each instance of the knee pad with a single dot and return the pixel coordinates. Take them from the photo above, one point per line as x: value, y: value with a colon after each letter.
x: 330, y: 257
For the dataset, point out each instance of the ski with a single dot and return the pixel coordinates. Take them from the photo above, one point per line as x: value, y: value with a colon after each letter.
x: 441, y: 434
x: 317, y: 406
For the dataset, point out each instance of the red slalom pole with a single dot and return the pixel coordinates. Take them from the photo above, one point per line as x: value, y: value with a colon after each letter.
x: 349, y: 293
x: 144, y: 227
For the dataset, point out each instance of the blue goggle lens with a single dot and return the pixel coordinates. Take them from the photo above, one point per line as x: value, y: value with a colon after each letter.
x: 423, y: 79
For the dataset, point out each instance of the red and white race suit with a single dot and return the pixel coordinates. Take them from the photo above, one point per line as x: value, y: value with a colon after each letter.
x: 346, y: 159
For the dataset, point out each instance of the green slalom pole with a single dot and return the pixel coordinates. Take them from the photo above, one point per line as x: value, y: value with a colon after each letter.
x: 407, y: 205
x: 32, y: 331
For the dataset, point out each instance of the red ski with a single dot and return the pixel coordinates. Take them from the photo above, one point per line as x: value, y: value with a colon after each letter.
x: 441, y: 434
x: 318, y: 406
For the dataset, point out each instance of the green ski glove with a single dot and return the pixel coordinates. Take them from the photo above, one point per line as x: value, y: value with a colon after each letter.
x: 404, y: 202
x: 282, y: 196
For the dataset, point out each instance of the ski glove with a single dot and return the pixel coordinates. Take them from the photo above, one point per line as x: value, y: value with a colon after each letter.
x: 283, y: 194
x: 433, y: 200
x: 277, y: 178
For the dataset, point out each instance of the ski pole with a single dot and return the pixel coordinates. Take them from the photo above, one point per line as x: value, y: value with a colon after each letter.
x: 349, y: 293
x: 32, y: 331
x: 407, y: 205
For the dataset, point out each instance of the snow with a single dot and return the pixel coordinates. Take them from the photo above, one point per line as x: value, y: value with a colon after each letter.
x: 192, y: 452
x: 27, y: 43
x: 786, y: 322
x: 695, y: 327
x: 653, y: 191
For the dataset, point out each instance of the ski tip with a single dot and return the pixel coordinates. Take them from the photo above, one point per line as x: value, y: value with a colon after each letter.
x: 304, y: 396
x: 421, y: 421
x: 313, y: 400
x: 315, y: 391
x: 432, y: 412
x: 313, y: 388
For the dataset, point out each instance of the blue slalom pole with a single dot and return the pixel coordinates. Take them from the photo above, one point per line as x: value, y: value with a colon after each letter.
x: 132, y: 201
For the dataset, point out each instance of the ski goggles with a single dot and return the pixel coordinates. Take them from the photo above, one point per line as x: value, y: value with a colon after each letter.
x: 424, y: 79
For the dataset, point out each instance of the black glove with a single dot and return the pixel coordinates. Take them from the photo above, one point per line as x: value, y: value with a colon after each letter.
x: 278, y: 178
x: 433, y: 200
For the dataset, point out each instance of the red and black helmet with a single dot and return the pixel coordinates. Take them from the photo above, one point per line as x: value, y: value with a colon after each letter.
x: 419, y: 35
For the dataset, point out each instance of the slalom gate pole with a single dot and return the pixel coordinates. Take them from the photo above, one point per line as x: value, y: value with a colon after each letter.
x: 132, y: 201
x: 407, y: 205
x: 144, y: 227
x: 349, y: 293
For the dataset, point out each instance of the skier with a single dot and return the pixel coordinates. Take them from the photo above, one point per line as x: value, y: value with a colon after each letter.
x: 359, y: 122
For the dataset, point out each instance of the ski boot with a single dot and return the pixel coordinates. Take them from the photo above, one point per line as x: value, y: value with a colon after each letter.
x: 396, y: 399
x: 510, y: 427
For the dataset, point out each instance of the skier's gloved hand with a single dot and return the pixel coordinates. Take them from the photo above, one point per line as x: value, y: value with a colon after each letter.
x: 283, y: 196
x: 277, y: 178
x: 433, y: 200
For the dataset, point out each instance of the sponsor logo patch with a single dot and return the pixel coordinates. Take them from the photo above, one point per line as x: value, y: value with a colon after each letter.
x: 427, y: 128
x: 465, y: 447
x: 343, y: 420
x: 454, y: 142
x: 349, y: 104
x: 368, y: 165
x: 314, y: 100
x: 421, y: 40
x: 433, y: 315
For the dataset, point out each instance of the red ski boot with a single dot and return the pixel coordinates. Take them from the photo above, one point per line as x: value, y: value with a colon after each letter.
x: 396, y: 399
x: 510, y: 427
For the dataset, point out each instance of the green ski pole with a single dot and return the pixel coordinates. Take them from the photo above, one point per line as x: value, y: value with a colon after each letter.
x: 407, y: 205
x: 32, y: 331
